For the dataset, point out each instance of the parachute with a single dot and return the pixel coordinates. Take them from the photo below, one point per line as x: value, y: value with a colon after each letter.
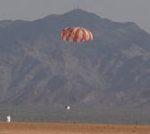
x: 76, y: 34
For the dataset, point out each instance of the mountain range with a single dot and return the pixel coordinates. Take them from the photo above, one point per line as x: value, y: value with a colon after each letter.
x: 38, y: 68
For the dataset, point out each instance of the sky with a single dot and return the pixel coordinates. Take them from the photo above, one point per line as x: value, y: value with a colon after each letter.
x: 117, y: 10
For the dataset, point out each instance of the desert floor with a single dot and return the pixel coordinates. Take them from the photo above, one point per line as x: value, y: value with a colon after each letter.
x: 70, y: 128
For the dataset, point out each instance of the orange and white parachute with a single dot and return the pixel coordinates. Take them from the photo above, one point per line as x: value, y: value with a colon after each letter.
x: 76, y: 34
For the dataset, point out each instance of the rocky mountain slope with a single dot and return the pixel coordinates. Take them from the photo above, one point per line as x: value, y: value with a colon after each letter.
x: 38, y: 68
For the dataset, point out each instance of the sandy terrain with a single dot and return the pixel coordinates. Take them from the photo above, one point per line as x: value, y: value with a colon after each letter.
x: 70, y: 128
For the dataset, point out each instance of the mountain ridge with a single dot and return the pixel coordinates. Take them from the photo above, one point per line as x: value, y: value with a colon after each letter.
x: 37, y: 67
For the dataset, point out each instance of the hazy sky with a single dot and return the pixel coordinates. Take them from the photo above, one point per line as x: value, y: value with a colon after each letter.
x: 118, y: 10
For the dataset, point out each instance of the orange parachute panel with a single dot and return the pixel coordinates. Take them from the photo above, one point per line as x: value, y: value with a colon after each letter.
x: 76, y: 34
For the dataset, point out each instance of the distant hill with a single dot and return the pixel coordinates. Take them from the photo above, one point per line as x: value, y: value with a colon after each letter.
x: 38, y: 68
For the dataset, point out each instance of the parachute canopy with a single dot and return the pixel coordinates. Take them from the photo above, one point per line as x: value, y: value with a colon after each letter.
x: 76, y: 34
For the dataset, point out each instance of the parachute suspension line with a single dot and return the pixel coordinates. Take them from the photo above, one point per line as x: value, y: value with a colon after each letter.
x: 68, y: 85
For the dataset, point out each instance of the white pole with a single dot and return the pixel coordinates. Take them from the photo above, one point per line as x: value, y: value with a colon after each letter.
x: 8, y: 118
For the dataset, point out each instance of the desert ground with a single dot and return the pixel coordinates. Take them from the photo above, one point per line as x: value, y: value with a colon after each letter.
x: 70, y: 128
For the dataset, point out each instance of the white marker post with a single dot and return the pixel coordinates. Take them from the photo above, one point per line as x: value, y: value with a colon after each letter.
x: 8, y: 118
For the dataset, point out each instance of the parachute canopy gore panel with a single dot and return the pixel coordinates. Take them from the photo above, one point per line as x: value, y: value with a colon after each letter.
x: 76, y: 34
